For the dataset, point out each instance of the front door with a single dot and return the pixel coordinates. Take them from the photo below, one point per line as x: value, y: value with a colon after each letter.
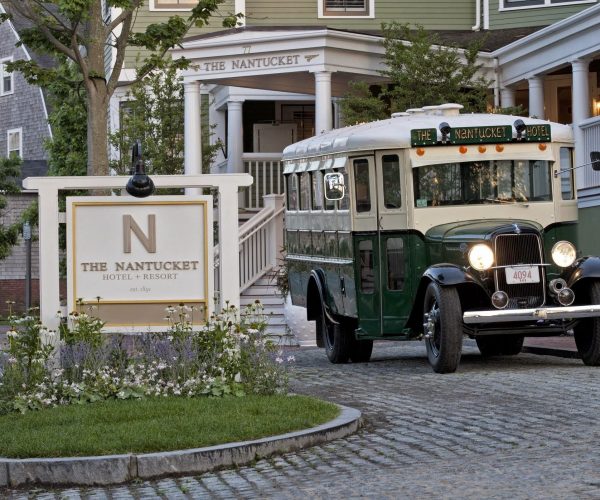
x: 381, y: 245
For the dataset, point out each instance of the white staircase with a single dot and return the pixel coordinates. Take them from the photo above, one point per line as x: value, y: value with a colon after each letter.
x: 261, y: 243
x: 264, y: 289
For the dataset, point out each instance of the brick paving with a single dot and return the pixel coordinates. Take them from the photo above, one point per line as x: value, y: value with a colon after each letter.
x: 511, y: 427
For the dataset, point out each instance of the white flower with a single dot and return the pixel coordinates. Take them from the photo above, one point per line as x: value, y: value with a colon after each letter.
x: 238, y: 377
x: 291, y: 358
x: 11, y: 333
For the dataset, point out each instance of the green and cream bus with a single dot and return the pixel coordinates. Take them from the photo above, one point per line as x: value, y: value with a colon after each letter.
x: 435, y: 225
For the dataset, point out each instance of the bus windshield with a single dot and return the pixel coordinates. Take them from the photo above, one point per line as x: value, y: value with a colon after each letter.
x: 480, y: 182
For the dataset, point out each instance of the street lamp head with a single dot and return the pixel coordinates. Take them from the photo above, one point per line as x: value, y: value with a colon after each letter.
x: 139, y: 185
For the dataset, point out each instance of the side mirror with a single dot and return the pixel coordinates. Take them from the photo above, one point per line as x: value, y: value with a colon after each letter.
x: 334, y: 186
x: 595, y: 157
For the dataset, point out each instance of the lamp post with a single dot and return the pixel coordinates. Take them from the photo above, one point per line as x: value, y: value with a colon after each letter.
x: 139, y: 185
x: 27, y: 238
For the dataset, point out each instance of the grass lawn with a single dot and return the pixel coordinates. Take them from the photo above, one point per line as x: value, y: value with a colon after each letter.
x: 155, y: 424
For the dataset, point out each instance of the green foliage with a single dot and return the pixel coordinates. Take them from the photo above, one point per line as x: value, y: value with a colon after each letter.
x: 361, y: 106
x: 421, y: 72
x: 154, y: 114
x: 9, y: 172
x: 67, y: 149
x: 76, y: 30
x: 82, y: 327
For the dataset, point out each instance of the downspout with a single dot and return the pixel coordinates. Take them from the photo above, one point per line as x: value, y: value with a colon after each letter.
x: 486, y: 14
x: 477, y: 26
x: 497, y: 82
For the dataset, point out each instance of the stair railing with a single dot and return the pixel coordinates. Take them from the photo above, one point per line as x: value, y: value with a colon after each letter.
x: 261, y: 243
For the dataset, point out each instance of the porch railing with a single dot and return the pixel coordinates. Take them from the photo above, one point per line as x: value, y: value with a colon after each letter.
x: 261, y: 242
x: 591, y: 142
x: 267, y: 171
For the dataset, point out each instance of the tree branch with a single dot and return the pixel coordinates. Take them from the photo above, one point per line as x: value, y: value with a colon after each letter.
x: 121, y: 45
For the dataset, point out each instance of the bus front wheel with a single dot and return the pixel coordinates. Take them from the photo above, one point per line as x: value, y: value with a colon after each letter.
x: 587, y: 331
x: 442, y: 325
x: 337, y: 343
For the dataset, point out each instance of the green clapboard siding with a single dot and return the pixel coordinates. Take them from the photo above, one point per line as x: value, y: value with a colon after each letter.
x: 588, y: 234
x: 540, y: 16
x: 438, y: 14
x: 146, y: 17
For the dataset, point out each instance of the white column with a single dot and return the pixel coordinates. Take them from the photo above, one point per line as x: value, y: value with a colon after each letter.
x: 229, y: 238
x: 338, y: 119
x: 323, y: 115
x: 507, y: 97
x: 235, y: 138
x: 192, y: 139
x: 580, y: 92
x: 49, y: 263
x: 536, y: 97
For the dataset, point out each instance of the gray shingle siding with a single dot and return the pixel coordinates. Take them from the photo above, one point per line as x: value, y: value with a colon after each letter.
x: 24, y: 108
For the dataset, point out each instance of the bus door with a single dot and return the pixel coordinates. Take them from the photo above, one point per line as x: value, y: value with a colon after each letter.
x: 381, y: 245
x: 394, y: 243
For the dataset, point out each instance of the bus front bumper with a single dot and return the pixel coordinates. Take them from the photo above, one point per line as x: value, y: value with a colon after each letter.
x: 534, y: 314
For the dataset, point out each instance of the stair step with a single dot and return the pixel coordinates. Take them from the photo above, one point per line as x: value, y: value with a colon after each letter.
x: 267, y: 300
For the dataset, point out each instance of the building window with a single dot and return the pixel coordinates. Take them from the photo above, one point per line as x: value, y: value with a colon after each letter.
x: 173, y: 4
x: 14, y: 141
x: 6, y: 79
x: 524, y: 4
x: 346, y: 8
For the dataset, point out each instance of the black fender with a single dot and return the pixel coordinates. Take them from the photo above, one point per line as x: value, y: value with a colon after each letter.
x: 316, y: 300
x: 449, y: 274
x: 470, y: 289
x: 581, y: 270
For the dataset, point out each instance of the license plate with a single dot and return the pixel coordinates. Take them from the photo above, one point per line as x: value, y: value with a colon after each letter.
x: 522, y: 274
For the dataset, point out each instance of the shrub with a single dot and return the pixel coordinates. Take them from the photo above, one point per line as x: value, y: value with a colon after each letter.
x: 230, y: 355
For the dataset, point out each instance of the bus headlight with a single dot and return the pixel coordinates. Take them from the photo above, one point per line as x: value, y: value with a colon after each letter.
x: 481, y: 257
x: 564, y: 253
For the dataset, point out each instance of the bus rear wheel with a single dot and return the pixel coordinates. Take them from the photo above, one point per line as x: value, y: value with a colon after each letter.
x: 497, y: 345
x: 587, y: 331
x: 442, y: 325
x: 337, y: 343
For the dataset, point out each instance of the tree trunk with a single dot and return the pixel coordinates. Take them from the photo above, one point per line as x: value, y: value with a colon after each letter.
x: 97, y: 93
x: 97, y: 129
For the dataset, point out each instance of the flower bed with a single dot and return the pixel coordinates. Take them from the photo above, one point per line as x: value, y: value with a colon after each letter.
x: 230, y: 355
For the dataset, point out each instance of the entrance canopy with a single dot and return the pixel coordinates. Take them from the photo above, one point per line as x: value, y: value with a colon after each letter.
x: 283, y: 59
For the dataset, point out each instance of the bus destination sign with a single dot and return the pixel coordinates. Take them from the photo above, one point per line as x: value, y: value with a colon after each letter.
x: 480, y: 135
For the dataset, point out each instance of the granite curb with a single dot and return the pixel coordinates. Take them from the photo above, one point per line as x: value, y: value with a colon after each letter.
x: 115, y: 469
x: 552, y: 351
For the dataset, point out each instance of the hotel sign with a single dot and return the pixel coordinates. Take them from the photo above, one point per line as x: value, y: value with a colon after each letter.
x: 480, y: 135
x: 132, y: 258
x: 255, y: 62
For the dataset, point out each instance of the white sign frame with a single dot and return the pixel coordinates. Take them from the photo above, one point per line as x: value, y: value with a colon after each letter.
x: 94, y: 220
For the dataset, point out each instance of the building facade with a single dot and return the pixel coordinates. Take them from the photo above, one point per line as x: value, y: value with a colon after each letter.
x: 23, y: 129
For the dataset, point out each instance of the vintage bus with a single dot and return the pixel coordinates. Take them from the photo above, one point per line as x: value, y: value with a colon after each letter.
x: 435, y: 225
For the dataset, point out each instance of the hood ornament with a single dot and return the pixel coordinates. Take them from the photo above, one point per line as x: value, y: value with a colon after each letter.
x: 517, y: 229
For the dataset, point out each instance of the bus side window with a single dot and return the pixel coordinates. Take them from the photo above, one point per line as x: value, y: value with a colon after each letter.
x: 292, y: 191
x: 361, y: 185
x: 395, y: 263
x: 317, y: 190
x: 304, y: 191
x: 391, y: 181
x: 367, y: 273
x: 566, y: 177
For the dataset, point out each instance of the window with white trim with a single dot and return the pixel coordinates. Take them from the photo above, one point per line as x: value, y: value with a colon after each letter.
x: 14, y: 142
x: 523, y: 4
x: 7, y: 83
x: 346, y: 8
x: 173, y: 4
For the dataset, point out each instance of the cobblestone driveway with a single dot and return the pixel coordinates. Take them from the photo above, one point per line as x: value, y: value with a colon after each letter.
x: 517, y: 427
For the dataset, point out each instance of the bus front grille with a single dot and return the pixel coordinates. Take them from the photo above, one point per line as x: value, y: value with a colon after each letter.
x: 515, y: 250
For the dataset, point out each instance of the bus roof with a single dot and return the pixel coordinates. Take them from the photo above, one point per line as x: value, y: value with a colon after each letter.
x: 395, y: 132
